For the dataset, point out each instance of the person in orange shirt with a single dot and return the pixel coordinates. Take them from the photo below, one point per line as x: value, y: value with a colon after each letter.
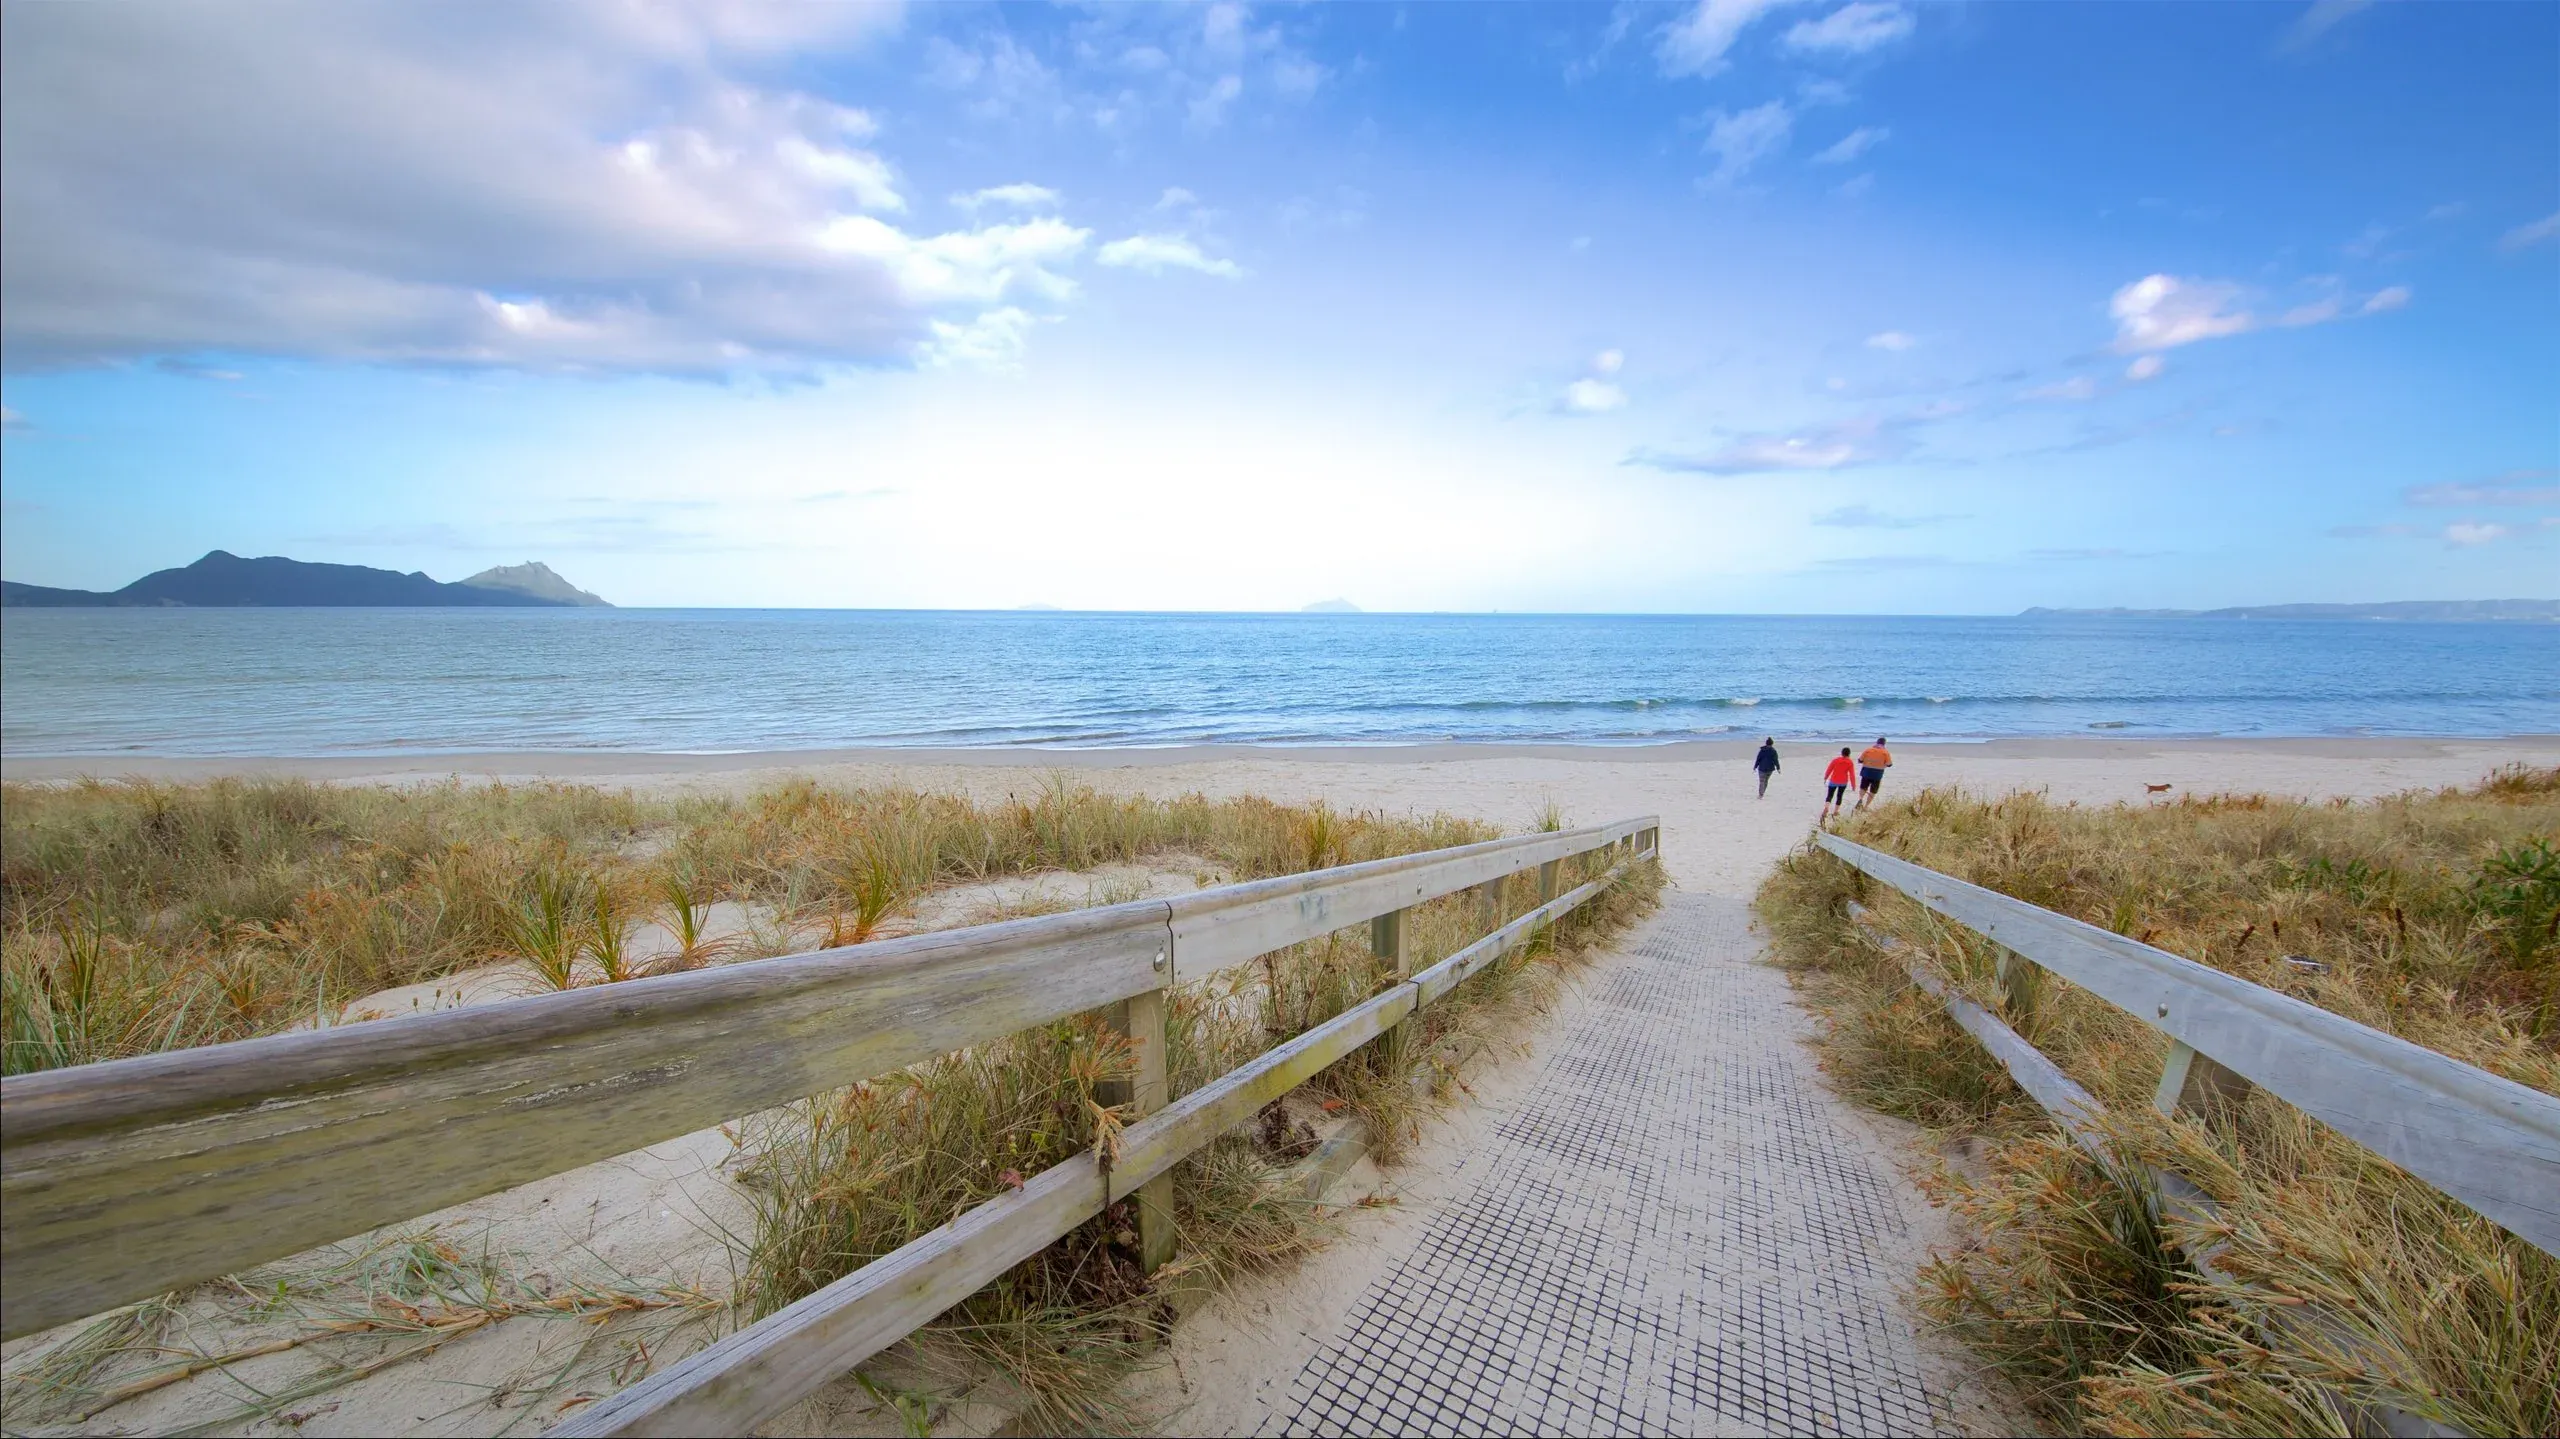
x: 1871, y: 767
x: 1835, y: 784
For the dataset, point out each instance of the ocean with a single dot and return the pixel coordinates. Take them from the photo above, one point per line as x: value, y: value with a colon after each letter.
x: 429, y: 681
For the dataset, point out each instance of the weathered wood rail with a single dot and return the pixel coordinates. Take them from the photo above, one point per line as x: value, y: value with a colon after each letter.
x: 124, y: 1180
x: 2489, y: 1142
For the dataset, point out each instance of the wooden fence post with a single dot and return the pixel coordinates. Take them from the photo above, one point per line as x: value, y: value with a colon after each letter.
x: 1387, y: 941
x: 1155, y: 1200
x: 1547, y: 881
x: 2192, y: 1083
x: 1391, y: 942
x: 1488, y: 905
x: 1140, y: 1017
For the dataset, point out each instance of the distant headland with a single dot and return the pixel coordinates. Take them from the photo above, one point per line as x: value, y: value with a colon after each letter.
x: 224, y: 580
x: 2407, y: 611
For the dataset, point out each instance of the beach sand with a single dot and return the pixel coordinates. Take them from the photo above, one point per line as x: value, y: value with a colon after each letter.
x: 1717, y: 838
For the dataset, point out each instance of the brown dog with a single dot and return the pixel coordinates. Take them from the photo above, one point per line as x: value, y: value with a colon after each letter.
x: 2157, y: 788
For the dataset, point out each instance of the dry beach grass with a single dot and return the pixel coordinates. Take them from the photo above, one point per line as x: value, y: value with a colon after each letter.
x: 143, y: 916
x: 2430, y: 915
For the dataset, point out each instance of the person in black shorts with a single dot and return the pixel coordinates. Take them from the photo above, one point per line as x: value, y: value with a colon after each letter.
x: 1872, y: 764
x: 1835, y: 783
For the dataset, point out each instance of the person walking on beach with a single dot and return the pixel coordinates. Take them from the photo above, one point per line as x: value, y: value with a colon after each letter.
x: 1766, y: 763
x: 1872, y: 763
x: 1835, y: 784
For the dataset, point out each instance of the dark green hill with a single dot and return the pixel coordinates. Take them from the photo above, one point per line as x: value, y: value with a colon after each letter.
x: 223, y: 579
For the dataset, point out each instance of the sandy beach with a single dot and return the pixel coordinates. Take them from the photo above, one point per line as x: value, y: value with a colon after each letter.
x: 1717, y: 838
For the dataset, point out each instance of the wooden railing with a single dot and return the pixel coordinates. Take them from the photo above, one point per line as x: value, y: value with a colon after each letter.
x: 2489, y: 1142
x: 124, y: 1180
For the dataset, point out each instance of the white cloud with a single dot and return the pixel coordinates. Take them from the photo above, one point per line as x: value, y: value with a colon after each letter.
x: 1850, y: 146
x: 2546, y: 228
x: 1743, y: 139
x: 1596, y: 394
x: 1155, y: 254
x: 2317, y: 21
x: 2465, y: 533
x: 994, y: 341
x: 1003, y: 81
x: 2159, y: 312
x: 1593, y: 397
x: 597, y: 188
x: 1890, y: 340
x: 986, y: 266
x: 2461, y: 534
x: 2315, y: 313
x: 11, y: 420
x: 1829, y: 447
x: 1866, y: 517
x: 1297, y: 77
x: 2145, y: 367
x: 1696, y: 43
x: 2078, y: 387
x: 1852, y: 29
x: 1177, y: 198
x: 2516, y: 487
x: 1209, y: 108
x: 2162, y: 312
x: 1012, y: 197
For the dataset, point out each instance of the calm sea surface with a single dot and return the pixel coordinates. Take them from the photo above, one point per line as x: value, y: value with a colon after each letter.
x: 322, y: 682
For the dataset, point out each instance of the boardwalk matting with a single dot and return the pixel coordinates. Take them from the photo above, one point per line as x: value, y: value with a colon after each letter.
x: 1672, y: 1235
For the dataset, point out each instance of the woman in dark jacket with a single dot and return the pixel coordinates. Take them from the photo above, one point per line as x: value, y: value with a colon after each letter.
x: 1766, y: 762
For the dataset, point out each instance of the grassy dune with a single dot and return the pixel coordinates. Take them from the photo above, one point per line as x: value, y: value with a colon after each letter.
x: 140, y: 917
x: 2428, y: 915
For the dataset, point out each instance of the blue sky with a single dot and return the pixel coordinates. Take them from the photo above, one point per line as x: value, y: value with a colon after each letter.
x: 1733, y: 306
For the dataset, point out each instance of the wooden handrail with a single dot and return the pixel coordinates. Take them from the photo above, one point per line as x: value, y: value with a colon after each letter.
x: 131, y: 1178
x: 2486, y: 1141
x: 757, y: 1373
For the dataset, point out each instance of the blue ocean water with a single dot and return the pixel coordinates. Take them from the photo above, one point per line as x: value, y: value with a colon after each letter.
x: 354, y: 682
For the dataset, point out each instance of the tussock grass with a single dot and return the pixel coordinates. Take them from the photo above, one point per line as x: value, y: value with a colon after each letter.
x: 2429, y: 915
x: 137, y: 917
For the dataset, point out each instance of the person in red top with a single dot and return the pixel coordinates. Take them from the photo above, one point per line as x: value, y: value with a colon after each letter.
x: 1835, y: 784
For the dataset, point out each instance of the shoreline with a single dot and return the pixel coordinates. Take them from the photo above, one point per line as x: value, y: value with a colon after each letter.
x: 573, y: 764
x: 1719, y: 835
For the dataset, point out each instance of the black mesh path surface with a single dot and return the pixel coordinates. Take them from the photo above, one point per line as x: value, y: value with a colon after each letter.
x: 1674, y: 1233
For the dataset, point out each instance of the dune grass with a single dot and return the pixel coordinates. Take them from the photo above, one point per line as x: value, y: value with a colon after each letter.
x: 2428, y: 915
x: 139, y: 917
